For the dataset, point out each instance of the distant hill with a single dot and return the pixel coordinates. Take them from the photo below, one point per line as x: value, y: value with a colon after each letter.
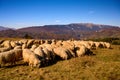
x: 64, y: 28
x: 74, y: 30
x: 3, y: 28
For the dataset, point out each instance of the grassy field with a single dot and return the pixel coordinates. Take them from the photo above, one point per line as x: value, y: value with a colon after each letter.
x: 104, y: 65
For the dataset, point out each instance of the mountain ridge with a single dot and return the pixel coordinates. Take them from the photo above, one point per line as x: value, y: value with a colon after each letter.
x: 73, y: 30
x: 3, y: 28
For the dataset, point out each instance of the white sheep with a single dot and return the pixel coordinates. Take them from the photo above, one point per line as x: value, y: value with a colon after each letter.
x: 31, y: 58
x: 5, y: 49
x: 23, y: 41
x: 6, y: 43
x: 81, y: 50
x: 39, y: 51
x: 107, y: 45
x: 24, y: 46
x: 30, y: 43
x: 18, y: 47
x: 70, y: 46
x: 10, y: 56
x: 13, y: 44
x: 1, y: 41
x: 48, y: 50
x: 18, y: 54
x: 61, y: 52
x: 33, y: 47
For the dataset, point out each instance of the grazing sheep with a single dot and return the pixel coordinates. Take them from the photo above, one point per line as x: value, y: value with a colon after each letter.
x: 49, y: 55
x: 18, y: 54
x: 7, y: 57
x: 48, y: 50
x: 10, y: 56
x: 33, y: 47
x: 47, y: 42
x: 92, y: 44
x: 107, y: 45
x: 5, y: 49
x: 61, y: 52
x: 81, y: 50
x: 42, y: 41
x: 37, y: 42
x: 18, y: 47
x: 97, y: 44
x: 1, y: 41
x: 70, y: 46
x: 39, y: 51
x: 13, y: 44
x: 48, y: 46
x: 24, y: 46
x: 30, y: 43
x: 31, y: 58
x: 23, y: 41
x: 6, y: 44
x: 59, y: 43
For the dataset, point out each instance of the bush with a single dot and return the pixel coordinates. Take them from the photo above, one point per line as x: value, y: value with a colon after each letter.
x: 116, y: 42
x: 26, y: 36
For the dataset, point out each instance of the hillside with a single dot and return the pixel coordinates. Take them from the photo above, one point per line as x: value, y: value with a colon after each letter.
x: 65, y: 28
x: 74, y: 30
x: 3, y: 28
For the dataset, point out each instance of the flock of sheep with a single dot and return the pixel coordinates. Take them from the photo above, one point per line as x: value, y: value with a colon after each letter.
x: 37, y: 53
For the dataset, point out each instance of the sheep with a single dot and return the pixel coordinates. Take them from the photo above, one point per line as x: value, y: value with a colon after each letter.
x: 18, y: 54
x: 7, y: 57
x: 53, y: 42
x: 70, y: 46
x: 24, y: 46
x: 86, y: 44
x: 48, y: 46
x: 37, y: 42
x: 5, y: 49
x: 42, y: 41
x: 30, y: 43
x: 23, y: 41
x: 97, y: 44
x: 81, y: 50
x: 49, y: 54
x: 47, y: 42
x: 92, y: 44
x: 39, y: 51
x: 1, y: 41
x: 59, y: 43
x: 33, y: 47
x: 31, y: 58
x: 10, y: 56
x: 18, y: 47
x: 13, y: 44
x: 107, y: 45
x: 6, y: 44
x: 61, y: 52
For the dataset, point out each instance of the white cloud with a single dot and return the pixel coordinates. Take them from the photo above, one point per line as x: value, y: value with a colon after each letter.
x: 57, y: 21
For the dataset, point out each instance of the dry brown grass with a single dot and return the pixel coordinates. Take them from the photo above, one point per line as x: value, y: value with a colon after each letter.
x: 105, y: 65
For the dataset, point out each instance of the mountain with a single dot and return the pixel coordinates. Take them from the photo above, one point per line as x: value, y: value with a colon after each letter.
x: 3, y: 28
x: 74, y: 30
x: 64, y: 28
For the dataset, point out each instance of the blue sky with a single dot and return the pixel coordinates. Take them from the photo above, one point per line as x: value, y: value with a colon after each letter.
x: 24, y: 13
